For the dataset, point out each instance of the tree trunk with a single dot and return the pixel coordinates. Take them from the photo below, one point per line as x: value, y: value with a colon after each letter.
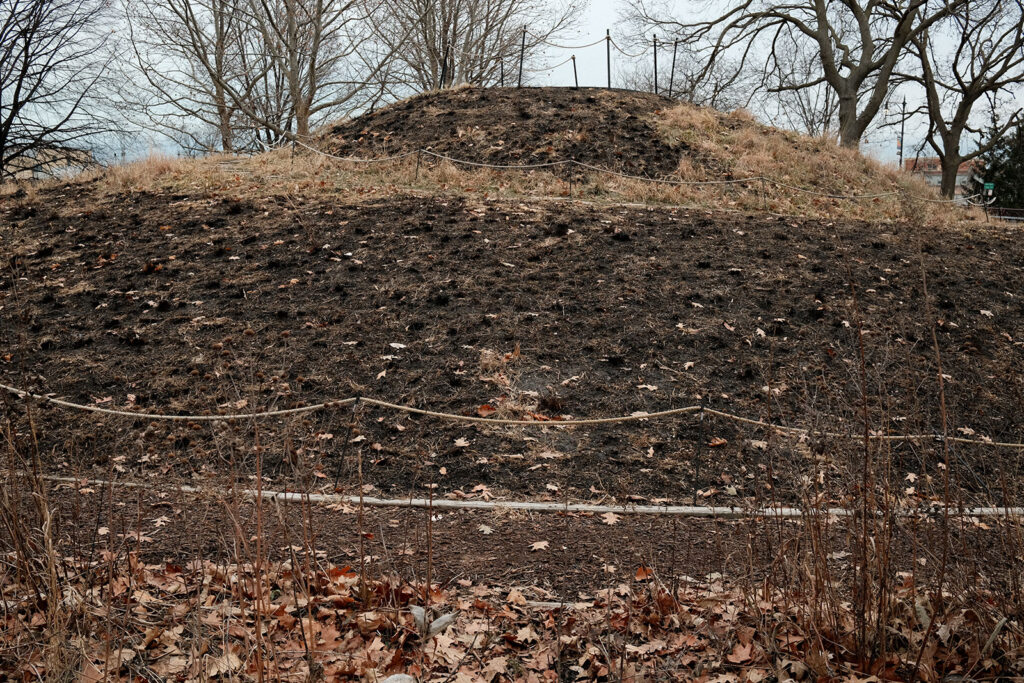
x: 950, y: 166
x: 850, y: 129
x: 227, y: 142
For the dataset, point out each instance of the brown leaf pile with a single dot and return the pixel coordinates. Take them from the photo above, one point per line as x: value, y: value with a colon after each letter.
x: 128, y: 621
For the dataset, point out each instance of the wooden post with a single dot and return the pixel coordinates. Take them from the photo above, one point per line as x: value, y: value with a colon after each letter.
x: 608, y: 54
x: 522, y: 55
x: 502, y: 73
x: 655, y: 63
x: 575, y: 78
x: 419, y: 155
x: 672, y: 74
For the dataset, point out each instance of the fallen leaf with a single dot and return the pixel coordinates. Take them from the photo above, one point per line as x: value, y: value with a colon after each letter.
x: 644, y: 573
x: 461, y: 443
x: 717, y: 441
x: 485, y: 530
x: 610, y: 518
x: 740, y: 653
x: 539, y: 545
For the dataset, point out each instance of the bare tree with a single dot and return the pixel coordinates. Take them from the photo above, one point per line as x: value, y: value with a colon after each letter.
x: 681, y: 78
x: 184, y: 51
x: 52, y: 60
x: 812, y: 109
x: 986, y: 62
x: 314, y: 45
x: 478, y: 38
x: 859, y: 43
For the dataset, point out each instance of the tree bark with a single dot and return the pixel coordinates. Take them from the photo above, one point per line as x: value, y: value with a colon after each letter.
x: 850, y: 129
x: 950, y: 167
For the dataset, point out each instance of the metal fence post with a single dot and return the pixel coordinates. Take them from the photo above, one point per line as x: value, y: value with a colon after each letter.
x: 608, y: 54
x: 522, y: 55
x: 672, y: 74
x: 575, y: 78
x: 655, y: 63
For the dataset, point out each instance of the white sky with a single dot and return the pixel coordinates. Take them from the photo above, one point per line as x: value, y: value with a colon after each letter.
x: 591, y: 65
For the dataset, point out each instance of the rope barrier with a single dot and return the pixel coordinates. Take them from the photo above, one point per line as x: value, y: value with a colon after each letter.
x: 599, y: 169
x: 545, y: 41
x: 549, y: 68
x: 533, y: 423
x: 667, y: 181
x: 719, y: 512
x: 627, y: 54
x: 466, y: 162
x: 782, y: 429
x: 358, y: 160
x: 834, y: 196
x: 178, y: 418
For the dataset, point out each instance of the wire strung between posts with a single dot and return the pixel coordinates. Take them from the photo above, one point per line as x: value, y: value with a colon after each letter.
x: 782, y: 429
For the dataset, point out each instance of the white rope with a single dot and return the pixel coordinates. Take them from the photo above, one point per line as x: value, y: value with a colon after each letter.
x: 498, y: 166
x: 549, y: 68
x: 667, y: 181
x: 358, y: 160
x: 718, y: 512
x: 547, y: 42
x: 627, y: 54
x: 533, y: 423
x: 179, y: 418
x: 600, y: 169
x: 537, y: 422
x: 834, y: 196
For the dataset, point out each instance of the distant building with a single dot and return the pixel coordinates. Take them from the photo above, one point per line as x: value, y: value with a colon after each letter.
x: 931, y: 170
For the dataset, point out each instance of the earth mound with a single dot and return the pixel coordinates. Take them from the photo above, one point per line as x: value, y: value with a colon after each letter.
x: 613, y: 129
x: 629, y: 132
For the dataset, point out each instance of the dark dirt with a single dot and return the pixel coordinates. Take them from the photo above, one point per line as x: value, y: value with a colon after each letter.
x: 609, y: 128
x: 193, y: 304
x: 583, y: 553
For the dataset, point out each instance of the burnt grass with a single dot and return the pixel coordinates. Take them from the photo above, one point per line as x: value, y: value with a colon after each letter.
x: 609, y: 128
x: 202, y: 304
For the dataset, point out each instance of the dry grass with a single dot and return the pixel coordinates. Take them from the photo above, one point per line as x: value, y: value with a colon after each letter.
x: 716, y: 146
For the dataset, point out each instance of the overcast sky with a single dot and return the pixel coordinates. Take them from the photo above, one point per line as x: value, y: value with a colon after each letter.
x: 591, y: 65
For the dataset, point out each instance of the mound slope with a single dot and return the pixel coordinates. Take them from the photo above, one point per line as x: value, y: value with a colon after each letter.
x: 549, y: 310
x: 628, y: 132
x: 611, y: 128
